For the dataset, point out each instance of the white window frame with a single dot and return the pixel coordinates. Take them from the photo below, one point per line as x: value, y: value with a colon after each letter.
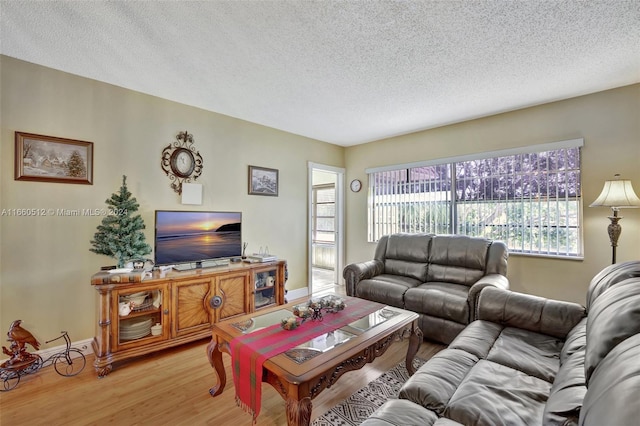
x: 315, y: 216
x: 399, y: 201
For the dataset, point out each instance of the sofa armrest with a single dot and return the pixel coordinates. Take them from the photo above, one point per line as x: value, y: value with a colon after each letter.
x: 547, y: 316
x: 356, y: 272
x: 490, y: 280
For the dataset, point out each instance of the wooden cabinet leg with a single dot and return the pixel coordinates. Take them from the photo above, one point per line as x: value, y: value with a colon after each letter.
x: 215, y: 359
x: 298, y: 412
x: 103, y: 371
x: 414, y: 344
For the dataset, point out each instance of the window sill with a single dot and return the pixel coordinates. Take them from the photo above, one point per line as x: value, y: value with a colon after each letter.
x: 547, y: 256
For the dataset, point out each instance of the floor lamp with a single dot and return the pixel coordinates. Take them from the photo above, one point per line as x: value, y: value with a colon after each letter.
x: 617, y: 194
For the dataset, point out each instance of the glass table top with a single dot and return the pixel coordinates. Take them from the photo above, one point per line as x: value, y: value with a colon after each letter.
x: 318, y: 345
x: 261, y: 321
x: 373, y: 319
x: 323, y: 342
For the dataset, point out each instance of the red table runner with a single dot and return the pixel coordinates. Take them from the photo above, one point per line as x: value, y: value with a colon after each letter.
x: 249, y: 351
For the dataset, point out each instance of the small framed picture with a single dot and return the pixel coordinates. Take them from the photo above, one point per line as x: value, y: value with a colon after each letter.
x: 50, y: 159
x: 263, y: 181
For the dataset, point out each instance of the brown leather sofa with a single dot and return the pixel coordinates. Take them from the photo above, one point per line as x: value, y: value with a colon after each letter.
x: 534, y: 361
x: 437, y: 276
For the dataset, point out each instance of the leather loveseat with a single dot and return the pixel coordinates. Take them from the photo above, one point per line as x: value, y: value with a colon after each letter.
x: 534, y: 361
x: 436, y: 276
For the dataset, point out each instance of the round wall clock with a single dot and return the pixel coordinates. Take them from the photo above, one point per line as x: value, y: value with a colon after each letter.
x: 181, y: 162
x: 356, y: 185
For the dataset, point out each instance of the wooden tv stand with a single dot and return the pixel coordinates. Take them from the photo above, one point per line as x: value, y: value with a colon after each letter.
x: 184, y: 304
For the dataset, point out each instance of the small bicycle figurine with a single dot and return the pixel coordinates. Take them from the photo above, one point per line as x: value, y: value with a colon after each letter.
x: 67, y: 363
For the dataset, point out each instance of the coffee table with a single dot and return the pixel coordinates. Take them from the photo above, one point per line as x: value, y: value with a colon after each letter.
x: 301, y: 373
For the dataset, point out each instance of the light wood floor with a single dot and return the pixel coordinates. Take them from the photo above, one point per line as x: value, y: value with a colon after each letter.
x: 170, y: 387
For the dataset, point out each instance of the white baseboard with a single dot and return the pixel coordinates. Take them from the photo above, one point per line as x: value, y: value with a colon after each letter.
x: 297, y: 293
x: 83, y: 345
x: 304, y: 292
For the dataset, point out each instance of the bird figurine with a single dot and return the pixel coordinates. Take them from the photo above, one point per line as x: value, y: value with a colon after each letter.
x: 19, y: 337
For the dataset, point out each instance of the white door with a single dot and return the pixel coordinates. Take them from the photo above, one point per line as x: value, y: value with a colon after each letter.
x: 326, y: 218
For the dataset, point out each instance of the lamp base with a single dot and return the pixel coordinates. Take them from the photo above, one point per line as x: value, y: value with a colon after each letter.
x: 614, y: 229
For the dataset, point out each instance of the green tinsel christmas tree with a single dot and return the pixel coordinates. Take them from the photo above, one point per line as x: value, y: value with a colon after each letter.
x: 120, y: 235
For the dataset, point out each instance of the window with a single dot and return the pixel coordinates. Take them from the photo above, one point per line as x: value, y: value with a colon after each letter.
x: 530, y: 199
x: 323, y: 214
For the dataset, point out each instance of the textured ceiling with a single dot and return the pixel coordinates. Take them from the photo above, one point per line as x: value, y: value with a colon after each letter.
x: 344, y: 72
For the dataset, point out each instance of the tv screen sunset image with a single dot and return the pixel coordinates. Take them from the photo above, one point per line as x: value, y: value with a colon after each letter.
x: 183, y: 237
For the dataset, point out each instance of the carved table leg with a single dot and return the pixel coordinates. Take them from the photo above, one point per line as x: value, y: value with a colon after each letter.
x: 414, y: 344
x: 215, y: 359
x: 298, y: 412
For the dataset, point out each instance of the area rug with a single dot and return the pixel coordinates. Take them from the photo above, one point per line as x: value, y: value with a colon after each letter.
x: 355, y: 409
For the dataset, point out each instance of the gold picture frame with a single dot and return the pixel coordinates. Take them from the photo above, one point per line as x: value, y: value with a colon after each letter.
x: 263, y: 181
x: 50, y: 159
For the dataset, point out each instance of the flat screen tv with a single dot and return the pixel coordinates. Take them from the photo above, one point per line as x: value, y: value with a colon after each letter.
x: 196, y: 236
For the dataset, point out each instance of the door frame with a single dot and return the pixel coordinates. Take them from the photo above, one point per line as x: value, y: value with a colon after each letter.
x: 340, y: 173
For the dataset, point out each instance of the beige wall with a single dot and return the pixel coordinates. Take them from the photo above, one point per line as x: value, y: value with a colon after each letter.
x: 608, y: 121
x: 45, y: 262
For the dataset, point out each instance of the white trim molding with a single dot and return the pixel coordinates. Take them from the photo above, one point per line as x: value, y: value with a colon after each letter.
x: 570, y: 143
x: 83, y: 346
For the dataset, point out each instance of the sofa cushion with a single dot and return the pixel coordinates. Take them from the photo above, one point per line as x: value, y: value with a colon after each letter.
x: 444, y: 300
x: 552, y: 317
x: 609, y: 277
x: 493, y: 394
x: 576, y: 341
x: 612, y: 395
x: 439, y: 329
x: 571, y: 373
x: 387, y: 289
x: 457, y: 259
x: 407, y: 255
x: 535, y: 354
x: 436, y: 381
x: 405, y: 268
x: 401, y: 412
x: 567, y: 392
x: 614, y: 316
x: 477, y: 338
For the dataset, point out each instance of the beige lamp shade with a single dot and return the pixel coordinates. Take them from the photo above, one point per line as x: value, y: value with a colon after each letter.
x: 617, y: 194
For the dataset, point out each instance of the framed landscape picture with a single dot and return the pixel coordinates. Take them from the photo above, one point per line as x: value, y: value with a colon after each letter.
x: 263, y: 181
x: 50, y: 159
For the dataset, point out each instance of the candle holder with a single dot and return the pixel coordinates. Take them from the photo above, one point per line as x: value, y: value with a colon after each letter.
x: 313, y: 310
x: 316, y: 307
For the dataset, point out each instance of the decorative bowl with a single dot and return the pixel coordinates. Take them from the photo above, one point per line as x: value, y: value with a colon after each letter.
x: 302, y: 311
x: 137, y: 299
x: 328, y: 303
x: 290, y: 323
x: 156, y: 330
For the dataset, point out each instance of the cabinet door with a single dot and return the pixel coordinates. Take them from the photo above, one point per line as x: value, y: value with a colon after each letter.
x: 141, y: 314
x: 232, y: 290
x: 191, y: 311
x: 266, y: 287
